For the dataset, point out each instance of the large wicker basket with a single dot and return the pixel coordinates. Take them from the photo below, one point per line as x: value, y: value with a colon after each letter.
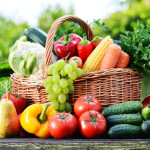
x: 110, y: 86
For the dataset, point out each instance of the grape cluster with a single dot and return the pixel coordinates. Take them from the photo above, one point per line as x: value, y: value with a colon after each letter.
x: 59, y: 83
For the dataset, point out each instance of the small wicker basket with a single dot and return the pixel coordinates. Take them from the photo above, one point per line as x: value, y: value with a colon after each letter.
x: 111, y: 86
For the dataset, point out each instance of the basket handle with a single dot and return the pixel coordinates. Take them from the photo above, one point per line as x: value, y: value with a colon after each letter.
x: 52, y: 31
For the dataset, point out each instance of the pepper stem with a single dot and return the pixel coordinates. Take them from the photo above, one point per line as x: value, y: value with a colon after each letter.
x: 67, y: 40
x: 42, y: 117
x: 96, y: 39
x: 84, y: 41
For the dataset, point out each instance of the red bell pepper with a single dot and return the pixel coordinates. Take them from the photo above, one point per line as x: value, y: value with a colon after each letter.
x: 96, y: 41
x: 84, y: 48
x: 67, y: 46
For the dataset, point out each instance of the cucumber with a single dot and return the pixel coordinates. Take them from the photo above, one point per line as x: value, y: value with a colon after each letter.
x: 133, y: 119
x: 5, y: 69
x: 145, y: 126
x: 124, y: 131
x: 36, y: 35
x: 123, y: 108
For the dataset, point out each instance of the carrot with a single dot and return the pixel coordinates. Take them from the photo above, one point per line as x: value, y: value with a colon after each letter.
x: 111, y: 57
x: 123, y: 61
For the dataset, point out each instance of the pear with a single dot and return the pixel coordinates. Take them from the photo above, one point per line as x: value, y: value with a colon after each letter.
x: 9, y: 121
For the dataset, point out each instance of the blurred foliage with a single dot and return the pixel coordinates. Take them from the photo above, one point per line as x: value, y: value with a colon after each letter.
x: 116, y: 23
x: 9, y: 33
x: 98, y: 25
x: 125, y: 20
x: 49, y: 15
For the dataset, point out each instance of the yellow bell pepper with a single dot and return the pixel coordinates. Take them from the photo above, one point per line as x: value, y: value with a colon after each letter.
x: 34, y: 119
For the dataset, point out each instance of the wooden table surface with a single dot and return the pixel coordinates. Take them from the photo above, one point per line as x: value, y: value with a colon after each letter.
x: 73, y: 144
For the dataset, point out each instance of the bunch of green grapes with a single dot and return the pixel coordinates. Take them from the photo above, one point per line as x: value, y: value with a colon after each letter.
x: 59, y: 83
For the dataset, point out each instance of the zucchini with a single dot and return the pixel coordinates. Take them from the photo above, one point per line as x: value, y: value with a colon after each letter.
x: 133, y: 119
x: 35, y: 35
x: 5, y: 69
x: 123, y: 108
x: 124, y: 131
x: 145, y: 126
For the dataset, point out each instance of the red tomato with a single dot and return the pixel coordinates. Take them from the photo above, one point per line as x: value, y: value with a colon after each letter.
x: 146, y: 101
x: 19, y: 103
x: 78, y: 60
x: 86, y: 102
x: 92, y: 124
x: 62, y: 125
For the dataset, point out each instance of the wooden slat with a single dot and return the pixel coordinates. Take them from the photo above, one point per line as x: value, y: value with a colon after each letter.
x: 73, y: 144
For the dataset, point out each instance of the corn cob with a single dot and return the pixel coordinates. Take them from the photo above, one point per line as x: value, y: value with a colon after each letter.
x: 94, y: 61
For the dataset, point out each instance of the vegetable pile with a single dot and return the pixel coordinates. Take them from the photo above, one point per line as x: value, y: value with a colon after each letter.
x: 75, y: 56
x: 122, y: 120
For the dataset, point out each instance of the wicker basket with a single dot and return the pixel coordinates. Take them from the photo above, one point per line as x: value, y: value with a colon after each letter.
x: 110, y: 86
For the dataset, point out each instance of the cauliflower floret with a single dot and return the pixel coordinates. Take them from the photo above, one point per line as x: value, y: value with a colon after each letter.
x: 24, y: 48
x: 37, y: 75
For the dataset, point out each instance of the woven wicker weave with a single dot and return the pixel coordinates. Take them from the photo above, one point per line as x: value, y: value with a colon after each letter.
x: 110, y: 86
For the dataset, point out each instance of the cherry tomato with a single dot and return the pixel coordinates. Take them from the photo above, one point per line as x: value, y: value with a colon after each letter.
x: 146, y: 101
x: 92, y: 124
x: 78, y: 60
x: 86, y: 102
x: 19, y: 103
x: 62, y: 125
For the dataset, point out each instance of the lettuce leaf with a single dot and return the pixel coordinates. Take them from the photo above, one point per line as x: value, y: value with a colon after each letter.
x: 5, y: 85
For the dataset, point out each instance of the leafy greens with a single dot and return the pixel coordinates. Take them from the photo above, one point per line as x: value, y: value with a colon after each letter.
x: 5, y: 85
x: 137, y: 44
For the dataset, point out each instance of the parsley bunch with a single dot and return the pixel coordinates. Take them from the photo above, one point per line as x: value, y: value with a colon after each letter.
x: 137, y: 44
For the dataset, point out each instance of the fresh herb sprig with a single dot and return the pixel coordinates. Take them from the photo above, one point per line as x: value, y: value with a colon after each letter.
x: 137, y: 44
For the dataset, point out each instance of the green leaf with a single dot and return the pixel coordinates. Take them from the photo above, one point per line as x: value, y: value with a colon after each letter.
x: 5, y: 85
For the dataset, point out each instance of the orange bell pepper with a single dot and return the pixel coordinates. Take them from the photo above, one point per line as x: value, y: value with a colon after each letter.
x: 34, y: 119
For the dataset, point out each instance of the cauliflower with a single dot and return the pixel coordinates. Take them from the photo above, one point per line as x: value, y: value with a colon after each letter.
x: 27, y: 59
